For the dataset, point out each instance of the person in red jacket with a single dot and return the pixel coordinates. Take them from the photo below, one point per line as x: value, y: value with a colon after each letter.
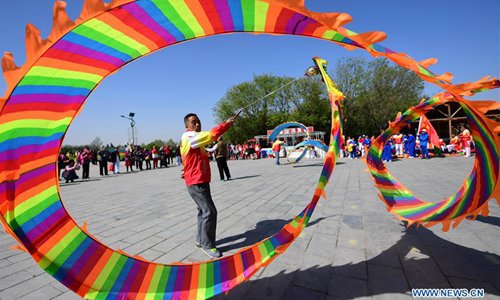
x: 398, y: 141
x: 197, y: 178
x: 276, y: 150
x: 465, y: 139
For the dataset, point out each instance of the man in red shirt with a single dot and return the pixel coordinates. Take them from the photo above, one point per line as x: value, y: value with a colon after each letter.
x: 276, y: 150
x: 197, y: 177
x: 398, y: 140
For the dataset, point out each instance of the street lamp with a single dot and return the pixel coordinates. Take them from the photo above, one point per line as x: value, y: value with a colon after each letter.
x: 132, y: 124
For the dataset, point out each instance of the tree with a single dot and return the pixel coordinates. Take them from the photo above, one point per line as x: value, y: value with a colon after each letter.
x: 158, y: 143
x: 96, y: 144
x: 312, y: 106
x: 171, y: 143
x: 375, y: 92
x: 296, y: 102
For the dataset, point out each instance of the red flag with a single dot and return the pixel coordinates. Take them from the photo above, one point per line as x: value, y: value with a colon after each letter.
x: 433, y: 136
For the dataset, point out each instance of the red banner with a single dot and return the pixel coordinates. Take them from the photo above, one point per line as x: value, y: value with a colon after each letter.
x: 433, y: 136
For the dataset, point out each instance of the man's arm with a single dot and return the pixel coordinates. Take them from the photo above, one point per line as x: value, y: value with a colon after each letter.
x: 206, y: 137
x: 213, y: 148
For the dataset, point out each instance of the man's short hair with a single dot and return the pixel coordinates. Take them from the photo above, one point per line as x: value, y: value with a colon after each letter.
x: 189, y: 116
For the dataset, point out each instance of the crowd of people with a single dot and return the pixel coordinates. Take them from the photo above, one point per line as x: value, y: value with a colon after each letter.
x: 249, y: 150
x: 137, y: 158
x: 409, y: 146
x: 108, y: 159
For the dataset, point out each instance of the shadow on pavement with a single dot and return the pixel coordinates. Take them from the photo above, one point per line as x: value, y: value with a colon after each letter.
x: 418, y: 260
x: 489, y: 220
x: 262, y: 230
x: 62, y: 183
x: 77, y: 181
x: 245, y: 177
x: 316, y: 165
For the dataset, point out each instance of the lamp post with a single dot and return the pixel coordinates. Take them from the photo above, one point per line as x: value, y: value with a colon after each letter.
x: 132, y: 124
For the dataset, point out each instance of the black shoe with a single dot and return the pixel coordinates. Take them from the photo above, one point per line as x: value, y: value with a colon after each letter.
x: 212, y: 253
x: 197, y: 245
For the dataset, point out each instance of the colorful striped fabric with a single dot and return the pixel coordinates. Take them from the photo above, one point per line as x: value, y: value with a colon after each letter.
x: 46, y: 94
x: 336, y: 136
x: 471, y: 198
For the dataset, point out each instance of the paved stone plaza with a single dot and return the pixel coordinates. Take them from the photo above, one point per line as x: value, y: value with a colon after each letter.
x: 353, y: 248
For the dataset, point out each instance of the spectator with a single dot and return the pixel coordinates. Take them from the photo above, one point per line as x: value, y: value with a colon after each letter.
x: 155, y: 155
x: 70, y: 171
x: 276, y: 150
x: 424, y: 140
x: 128, y: 159
x: 465, y: 139
x: 115, y: 160
x: 102, y: 158
x: 178, y: 155
x: 85, y: 158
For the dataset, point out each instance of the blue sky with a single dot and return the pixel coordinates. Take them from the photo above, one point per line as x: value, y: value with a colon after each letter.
x: 191, y: 77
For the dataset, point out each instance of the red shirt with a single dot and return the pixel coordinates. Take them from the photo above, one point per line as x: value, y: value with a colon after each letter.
x: 277, y: 146
x: 398, y: 138
x: 194, y: 155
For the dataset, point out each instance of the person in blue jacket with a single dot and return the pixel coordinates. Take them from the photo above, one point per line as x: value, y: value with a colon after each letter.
x: 367, y: 143
x: 387, y: 152
x: 424, y: 140
x: 410, y: 145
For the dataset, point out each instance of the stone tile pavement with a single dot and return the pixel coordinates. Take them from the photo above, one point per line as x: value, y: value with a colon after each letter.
x: 353, y: 248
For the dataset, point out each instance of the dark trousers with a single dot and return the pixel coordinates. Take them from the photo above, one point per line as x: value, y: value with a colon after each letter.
x: 207, y: 214
x: 163, y: 163
x: 103, y: 165
x: 222, y: 165
x: 85, y: 170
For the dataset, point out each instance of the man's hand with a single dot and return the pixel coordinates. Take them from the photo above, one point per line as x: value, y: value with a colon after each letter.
x: 231, y: 120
